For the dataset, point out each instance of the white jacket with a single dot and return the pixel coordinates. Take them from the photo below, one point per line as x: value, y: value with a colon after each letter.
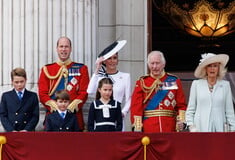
x: 121, y: 88
x: 210, y: 111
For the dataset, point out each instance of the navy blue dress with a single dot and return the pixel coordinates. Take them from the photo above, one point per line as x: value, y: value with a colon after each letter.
x: 105, y: 118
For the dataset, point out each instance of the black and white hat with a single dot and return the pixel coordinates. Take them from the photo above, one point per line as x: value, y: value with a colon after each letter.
x: 112, y: 49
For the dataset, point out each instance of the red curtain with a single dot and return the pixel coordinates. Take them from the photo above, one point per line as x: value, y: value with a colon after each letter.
x: 117, y: 146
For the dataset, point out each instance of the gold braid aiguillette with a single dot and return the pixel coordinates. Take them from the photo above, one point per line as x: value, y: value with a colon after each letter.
x: 149, y: 90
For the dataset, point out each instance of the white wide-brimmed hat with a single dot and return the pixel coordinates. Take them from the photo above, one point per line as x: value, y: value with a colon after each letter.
x: 209, y: 58
x: 112, y: 49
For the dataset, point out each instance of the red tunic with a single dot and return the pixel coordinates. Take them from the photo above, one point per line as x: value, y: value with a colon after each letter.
x: 172, y: 102
x: 76, y: 86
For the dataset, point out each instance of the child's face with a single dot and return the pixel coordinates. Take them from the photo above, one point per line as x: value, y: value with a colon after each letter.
x: 106, y: 91
x: 19, y: 83
x: 62, y: 104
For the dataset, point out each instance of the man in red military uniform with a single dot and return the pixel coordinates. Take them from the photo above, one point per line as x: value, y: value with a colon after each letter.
x: 158, y: 102
x: 64, y: 74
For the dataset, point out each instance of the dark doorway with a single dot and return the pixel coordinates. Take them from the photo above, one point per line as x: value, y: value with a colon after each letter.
x: 183, y: 51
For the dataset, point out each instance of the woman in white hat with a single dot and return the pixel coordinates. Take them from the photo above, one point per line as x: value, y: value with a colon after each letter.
x: 106, y: 66
x: 210, y: 107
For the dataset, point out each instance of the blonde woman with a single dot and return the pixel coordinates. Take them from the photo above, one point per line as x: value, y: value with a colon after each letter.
x: 210, y: 107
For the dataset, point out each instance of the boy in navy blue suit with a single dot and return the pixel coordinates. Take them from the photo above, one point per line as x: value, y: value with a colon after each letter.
x: 19, y: 108
x: 62, y: 120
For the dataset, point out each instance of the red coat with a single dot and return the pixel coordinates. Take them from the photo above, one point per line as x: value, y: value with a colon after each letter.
x: 171, y: 102
x: 78, y: 79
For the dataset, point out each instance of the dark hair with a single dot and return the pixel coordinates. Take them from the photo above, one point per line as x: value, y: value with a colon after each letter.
x: 62, y: 94
x: 108, y: 58
x: 101, y: 82
x: 18, y: 72
x: 70, y: 43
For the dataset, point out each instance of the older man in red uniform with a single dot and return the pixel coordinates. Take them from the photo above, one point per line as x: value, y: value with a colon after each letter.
x: 64, y: 74
x: 158, y: 102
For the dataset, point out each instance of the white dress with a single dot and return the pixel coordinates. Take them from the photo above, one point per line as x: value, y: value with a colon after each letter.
x: 121, y: 89
x: 210, y: 111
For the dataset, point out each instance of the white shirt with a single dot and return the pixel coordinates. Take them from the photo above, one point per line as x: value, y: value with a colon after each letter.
x: 62, y: 112
x: 21, y: 92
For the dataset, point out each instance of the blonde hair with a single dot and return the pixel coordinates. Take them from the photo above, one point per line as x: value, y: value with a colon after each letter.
x: 221, y: 73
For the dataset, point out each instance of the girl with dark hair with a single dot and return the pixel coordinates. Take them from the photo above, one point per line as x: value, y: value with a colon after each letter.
x: 107, y: 66
x: 105, y: 112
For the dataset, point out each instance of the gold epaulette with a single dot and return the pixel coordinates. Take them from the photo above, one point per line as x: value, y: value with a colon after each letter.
x: 49, y: 76
x: 170, y: 74
x: 62, y: 71
x: 148, y: 89
x: 142, y: 77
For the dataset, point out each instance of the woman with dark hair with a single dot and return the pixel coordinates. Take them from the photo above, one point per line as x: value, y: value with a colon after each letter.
x: 107, y: 66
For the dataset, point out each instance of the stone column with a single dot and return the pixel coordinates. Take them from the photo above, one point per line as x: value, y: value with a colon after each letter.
x: 29, y: 30
x: 124, y: 19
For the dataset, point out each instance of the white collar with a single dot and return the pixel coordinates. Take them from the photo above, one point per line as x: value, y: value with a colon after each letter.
x: 62, y: 111
x: 20, y: 91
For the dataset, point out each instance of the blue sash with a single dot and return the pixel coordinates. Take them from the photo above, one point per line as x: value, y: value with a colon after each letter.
x: 74, y: 70
x: 159, y: 96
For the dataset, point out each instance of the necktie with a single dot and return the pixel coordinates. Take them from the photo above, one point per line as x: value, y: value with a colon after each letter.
x: 20, y: 95
x: 62, y: 114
